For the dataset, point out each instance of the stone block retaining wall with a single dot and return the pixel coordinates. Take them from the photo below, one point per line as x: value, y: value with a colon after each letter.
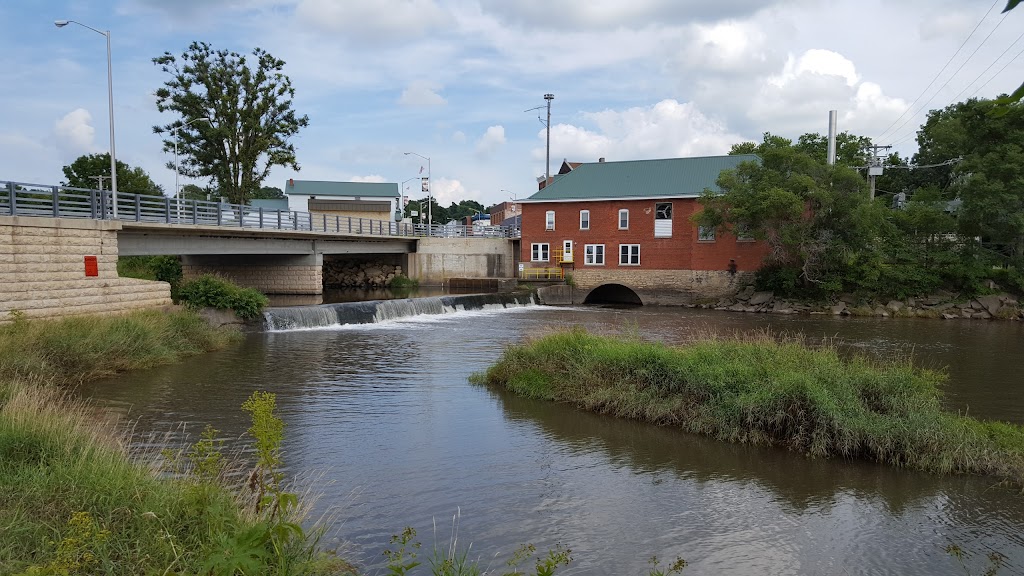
x: 666, y: 287
x: 42, y: 270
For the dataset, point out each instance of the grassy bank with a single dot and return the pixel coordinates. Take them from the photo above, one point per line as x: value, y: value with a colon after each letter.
x: 72, y: 498
x: 756, y: 390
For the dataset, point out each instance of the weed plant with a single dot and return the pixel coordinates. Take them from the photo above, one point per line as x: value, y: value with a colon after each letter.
x: 209, y: 291
x: 762, y: 391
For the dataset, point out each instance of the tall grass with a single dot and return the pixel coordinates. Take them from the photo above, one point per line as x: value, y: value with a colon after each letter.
x: 73, y: 500
x: 762, y: 391
x: 90, y: 347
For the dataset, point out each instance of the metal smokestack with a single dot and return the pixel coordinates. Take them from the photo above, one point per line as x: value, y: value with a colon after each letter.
x: 832, y: 115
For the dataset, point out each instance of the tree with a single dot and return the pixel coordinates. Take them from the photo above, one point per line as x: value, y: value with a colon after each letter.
x: 816, y: 219
x: 249, y: 112
x: 83, y: 171
x: 269, y: 193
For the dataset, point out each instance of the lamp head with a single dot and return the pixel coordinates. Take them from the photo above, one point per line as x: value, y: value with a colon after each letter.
x: 60, y: 23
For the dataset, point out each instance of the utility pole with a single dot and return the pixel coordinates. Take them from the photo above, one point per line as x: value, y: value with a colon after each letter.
x: 99, y: 181
x: 547, y: 171
x: 875, y: 167
x: 547, y: 124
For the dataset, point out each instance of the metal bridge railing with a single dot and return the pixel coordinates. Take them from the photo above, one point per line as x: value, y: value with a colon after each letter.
x: 22, y: 199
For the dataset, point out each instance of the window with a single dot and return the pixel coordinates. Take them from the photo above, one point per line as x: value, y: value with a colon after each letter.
x: 705, y: 234
x: 663, y: 220
x: 623, y: 219
x: 584, y: 219
x: 743, y: 233
x: 593, y: 254
x: 539, y: 252
x: 549, y: 220
x: 629, y: 254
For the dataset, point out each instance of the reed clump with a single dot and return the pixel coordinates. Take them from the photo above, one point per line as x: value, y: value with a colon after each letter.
x: 761, y: 390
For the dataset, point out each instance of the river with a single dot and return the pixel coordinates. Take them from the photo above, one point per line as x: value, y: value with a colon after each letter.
x: 382, y: 421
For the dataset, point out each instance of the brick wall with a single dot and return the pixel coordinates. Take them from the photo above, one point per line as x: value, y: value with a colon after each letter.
x: 682, y: 251
x: 42, y: 270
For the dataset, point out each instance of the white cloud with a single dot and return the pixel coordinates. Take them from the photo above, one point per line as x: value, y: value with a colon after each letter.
x: 615, y: 13
x: 492, y: 139
x: 667, y: 129
x: 370, y: 178
x: 726, y: 46
x: 376, y: 22
x: 940, y: 23
x: 448, y: 190
x: 422, y: 93
x: 798, y: 99
x: 75, y: 134
x: 459, y: 137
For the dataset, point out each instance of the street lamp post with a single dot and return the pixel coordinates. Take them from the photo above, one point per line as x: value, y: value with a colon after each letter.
x: 110, y: 100
x: 175, y: 133
x: 430, y: 191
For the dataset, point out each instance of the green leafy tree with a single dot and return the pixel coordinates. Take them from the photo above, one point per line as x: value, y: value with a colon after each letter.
x: 249, y: 112
x: 816, y: 219
x: 269, y: 193
x: 194, y: 192
x: 83, y: 171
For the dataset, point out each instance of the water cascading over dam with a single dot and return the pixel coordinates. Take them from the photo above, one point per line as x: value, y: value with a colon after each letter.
x: 374, y: 311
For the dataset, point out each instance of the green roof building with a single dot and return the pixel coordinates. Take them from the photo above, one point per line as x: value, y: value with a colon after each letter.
x: 633, y: 179
x: 378, y: 200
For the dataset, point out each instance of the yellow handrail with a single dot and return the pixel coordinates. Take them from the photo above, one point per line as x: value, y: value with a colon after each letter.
x: 542, y: 274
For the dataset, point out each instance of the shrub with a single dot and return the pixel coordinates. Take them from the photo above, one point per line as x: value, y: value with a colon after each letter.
x: 401, y: 281
x: 209, y: 291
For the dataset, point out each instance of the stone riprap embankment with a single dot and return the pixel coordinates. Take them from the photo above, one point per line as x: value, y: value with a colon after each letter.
x: 943, y: 305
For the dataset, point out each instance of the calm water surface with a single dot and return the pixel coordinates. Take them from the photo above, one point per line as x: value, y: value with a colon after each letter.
x: 398, y: 436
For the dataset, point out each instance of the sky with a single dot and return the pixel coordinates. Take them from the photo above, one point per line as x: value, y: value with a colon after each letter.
x: 452, y: 80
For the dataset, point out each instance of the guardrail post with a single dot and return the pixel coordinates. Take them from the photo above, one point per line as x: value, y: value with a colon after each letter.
x: 195, y: 212
x: 92, y: 204
x: 220, y: 215
x: 103, y: 205
x: 138, y: 207
x: 167, y: 209
x: 337, y: 223
x: 360, y: 225
x: 261, y: 216
x: 278, y: 218
x: 12, y: 189
x: 56, y: 202
x: 349, y: 224
x: 241, y: 215
x: 295, y: 220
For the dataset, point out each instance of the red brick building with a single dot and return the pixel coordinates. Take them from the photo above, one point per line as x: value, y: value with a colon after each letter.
x: 628, y: 224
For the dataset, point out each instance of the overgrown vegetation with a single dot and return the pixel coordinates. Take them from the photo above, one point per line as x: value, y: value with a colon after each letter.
x: 757, y: 390
x: 89, y: 347
x: 73, y: 500
x: 210, y: 291
x: 403, y: 282
x: 946, y: 218
x: 162, y: 268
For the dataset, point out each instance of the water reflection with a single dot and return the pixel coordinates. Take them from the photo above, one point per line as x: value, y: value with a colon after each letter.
x: 386, y: 412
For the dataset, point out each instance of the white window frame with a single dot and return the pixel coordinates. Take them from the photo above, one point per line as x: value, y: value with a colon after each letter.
x: 585, y: 213
x: 624, y: 258
x: 705, y: 234
x: 624, y: 212
x: 593, y: 255
x: 538, y: 249
x: 549, y: 220
x: 663, y: 226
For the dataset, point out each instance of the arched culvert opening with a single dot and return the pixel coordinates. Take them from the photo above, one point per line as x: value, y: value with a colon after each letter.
x: 616, y: 294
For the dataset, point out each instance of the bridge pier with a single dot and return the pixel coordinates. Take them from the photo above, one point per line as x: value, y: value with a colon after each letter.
x: 268, y: 273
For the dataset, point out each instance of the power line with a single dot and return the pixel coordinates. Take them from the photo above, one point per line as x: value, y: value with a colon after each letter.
x: 953, y: 75
x: 1012, y: 60
x: 944, y: 66
x: 998, y: 58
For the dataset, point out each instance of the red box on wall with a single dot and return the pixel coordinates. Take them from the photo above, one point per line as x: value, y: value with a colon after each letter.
x: 92, y: 267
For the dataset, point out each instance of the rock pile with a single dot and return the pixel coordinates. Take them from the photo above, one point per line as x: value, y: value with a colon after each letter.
x: 359, y: 274
x: 940, y: 305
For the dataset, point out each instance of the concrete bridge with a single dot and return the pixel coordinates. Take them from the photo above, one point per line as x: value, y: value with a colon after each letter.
x: 59, y: 248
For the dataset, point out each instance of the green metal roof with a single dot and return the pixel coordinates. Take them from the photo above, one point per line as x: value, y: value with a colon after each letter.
x: 355, y: 189
x: 669, y: 177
